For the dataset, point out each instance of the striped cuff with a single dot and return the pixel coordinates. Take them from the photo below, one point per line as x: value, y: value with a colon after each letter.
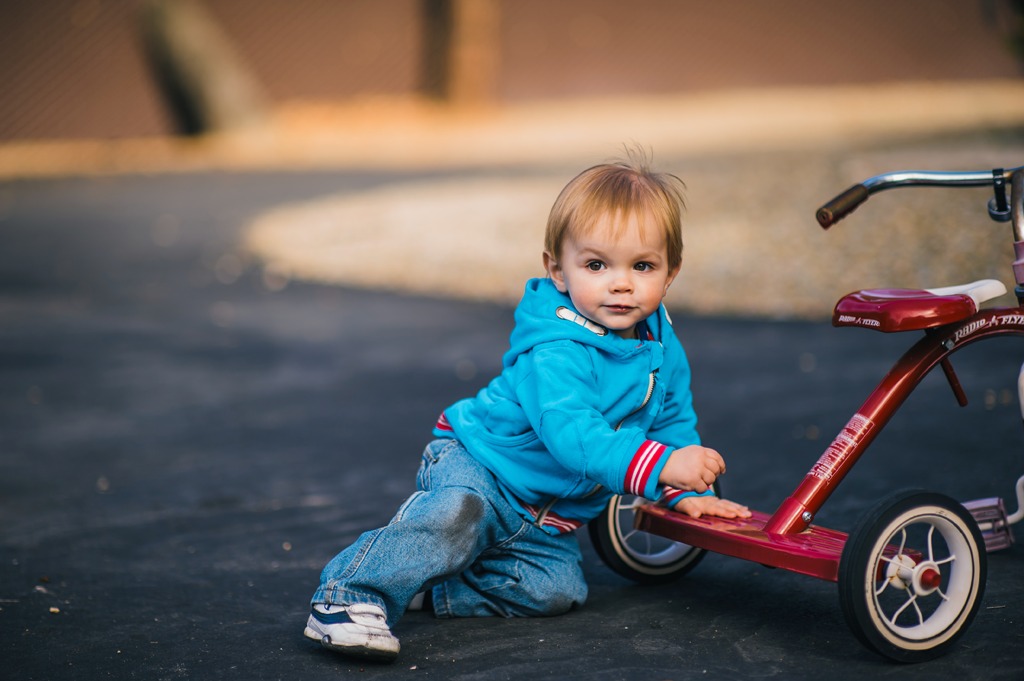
x: 644, y: 469
x: 442, y: 424
x: 673, y: 496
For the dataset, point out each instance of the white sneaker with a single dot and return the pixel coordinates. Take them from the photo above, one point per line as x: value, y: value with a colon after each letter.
x: 359, y: 629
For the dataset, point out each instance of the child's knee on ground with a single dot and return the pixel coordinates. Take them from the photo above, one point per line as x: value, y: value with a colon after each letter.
x: 509, y: 584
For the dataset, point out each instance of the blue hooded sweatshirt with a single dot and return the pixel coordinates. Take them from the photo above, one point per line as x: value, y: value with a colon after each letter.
x: 577, y: 413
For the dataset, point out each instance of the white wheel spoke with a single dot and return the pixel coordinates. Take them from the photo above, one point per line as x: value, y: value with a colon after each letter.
x: 885, y: 583
x: 888, y: 560
x: 920, y: 617
x: 626, y: 537
x: 648, y: 537
x: 945, y: 560
x: 902, y: 608
x: 931, y: 531
x: 944, y: 597
x: 903, y: 541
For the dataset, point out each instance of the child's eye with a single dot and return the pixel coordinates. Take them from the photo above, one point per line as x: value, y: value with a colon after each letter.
x: 643, y: 267
x: 595, y: 265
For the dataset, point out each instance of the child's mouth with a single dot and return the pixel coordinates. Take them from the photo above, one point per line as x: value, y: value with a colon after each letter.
x: 619, y: 308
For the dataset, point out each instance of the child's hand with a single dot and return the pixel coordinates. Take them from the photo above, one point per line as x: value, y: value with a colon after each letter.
x: 692, y: 469
x: 695, y: 507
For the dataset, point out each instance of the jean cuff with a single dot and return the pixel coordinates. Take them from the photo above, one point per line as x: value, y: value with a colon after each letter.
x: 345, y: 597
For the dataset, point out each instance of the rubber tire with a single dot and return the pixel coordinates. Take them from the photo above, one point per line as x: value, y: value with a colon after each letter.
x: 606, y: 536
x: 881, y: 526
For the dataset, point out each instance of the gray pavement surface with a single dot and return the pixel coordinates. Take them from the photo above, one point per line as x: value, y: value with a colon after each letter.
x: 179, y: 458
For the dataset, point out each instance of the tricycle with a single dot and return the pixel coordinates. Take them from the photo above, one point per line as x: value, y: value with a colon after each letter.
x: 911, y: 574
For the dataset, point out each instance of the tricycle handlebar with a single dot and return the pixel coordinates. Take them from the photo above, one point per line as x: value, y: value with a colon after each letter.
x: 844, y: 204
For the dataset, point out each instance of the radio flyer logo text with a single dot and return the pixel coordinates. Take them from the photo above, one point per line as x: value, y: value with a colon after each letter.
x: 848, y: 437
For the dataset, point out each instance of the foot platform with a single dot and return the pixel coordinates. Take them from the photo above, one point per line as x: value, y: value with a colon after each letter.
x: 815, y: 551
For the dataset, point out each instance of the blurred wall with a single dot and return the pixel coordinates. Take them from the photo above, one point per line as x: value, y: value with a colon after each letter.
x: 326, y: 49
x: 597, y: 47
x: 76, y: 68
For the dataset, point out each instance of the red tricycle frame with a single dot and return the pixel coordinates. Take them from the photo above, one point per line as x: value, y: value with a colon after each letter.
x: 787, y: 539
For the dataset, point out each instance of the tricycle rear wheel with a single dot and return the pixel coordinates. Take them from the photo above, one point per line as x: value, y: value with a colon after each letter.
x: 912, y: 575
x: 639, y: 556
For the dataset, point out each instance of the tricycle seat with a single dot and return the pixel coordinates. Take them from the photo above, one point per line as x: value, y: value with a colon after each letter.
x: 892, y: 310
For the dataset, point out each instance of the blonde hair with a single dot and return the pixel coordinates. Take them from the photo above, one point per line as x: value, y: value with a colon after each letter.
x: 619, y: 189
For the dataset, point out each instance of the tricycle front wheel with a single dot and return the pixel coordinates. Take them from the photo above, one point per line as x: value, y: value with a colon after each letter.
x: 912, y: 575
x: 639, y: 556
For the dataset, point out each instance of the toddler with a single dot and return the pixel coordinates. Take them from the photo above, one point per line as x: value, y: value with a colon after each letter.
x: 593, y: 400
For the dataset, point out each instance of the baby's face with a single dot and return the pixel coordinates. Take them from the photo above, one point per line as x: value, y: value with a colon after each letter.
x: 614, y: 282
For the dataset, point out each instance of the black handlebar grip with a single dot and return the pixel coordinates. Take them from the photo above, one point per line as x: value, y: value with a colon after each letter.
x: 841, y: 206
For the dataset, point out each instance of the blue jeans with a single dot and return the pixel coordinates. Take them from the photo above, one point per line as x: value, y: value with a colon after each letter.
x: 457, y: 535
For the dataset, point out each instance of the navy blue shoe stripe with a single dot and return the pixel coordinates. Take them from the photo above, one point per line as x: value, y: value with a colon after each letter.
x: 340, y: 617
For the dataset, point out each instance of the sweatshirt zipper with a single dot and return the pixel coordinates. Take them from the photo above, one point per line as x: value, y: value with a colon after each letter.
x: 650, y: 391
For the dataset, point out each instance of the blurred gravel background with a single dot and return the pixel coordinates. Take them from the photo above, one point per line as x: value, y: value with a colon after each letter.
x: 752, y: 246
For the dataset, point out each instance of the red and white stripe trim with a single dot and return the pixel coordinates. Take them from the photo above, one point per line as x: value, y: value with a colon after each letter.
x: 551, y: 519
x: 671, y: 494
x: 442, y: 424
x: 646, y: 457
x: 561, y: 524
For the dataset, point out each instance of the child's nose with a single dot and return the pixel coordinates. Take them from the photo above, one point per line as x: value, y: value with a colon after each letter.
x: 622, y: 283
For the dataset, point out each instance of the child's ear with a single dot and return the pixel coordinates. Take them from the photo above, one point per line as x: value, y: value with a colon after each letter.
x: 554, y: 271
x: 672, y: 275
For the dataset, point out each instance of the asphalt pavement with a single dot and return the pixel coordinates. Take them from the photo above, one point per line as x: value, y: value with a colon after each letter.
x: 183, y: 448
